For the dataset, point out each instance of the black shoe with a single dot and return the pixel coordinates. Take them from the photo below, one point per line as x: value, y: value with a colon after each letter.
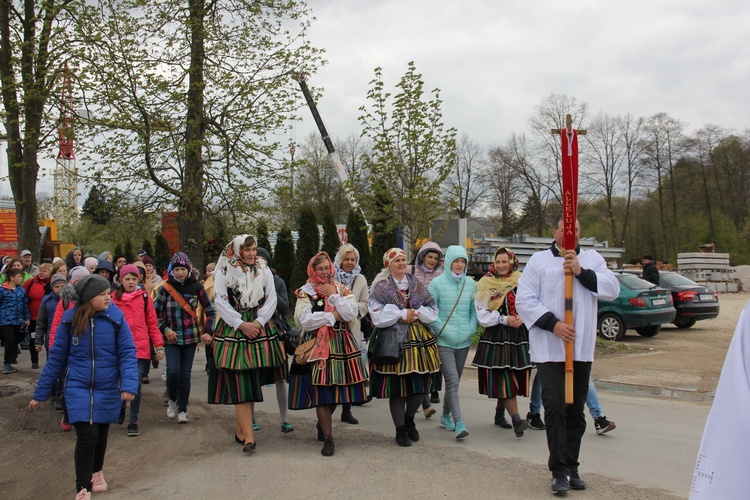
x: 535, y: 421
x: 501, y: 420
x: 435, y: 397
x: 602, y: 425
x: 402, y: 437
x: 328, y: 447
x: 238, y: 440
x: 248, y: 447
x: 519, y: 425
x: 576, y: 483
x: 145, y: 381
x: 121, y: 418
x: 346, y: 415
x: 560, y: 485
x: 133, y: 430
x: 321, y: 437
x: 411, y: 429
x: 34, y: 366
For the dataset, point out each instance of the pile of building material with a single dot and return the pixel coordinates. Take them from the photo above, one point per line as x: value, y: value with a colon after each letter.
x: 710, y: 269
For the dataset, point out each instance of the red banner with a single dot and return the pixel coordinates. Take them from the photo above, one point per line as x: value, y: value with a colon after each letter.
x: 569, y: 186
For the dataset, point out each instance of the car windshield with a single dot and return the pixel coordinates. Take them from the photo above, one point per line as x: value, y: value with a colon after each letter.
x: 673, y: 279
x: 634, y: 282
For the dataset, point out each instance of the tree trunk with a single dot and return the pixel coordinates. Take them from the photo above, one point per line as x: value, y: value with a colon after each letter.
x: 191, y: 204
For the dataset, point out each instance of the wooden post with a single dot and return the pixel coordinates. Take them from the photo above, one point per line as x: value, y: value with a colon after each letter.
x: 569, y: 142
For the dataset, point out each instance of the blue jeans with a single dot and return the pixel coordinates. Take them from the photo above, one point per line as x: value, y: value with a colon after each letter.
x: 179, y: 368
x: 135, y: 405
x: 592, y: 400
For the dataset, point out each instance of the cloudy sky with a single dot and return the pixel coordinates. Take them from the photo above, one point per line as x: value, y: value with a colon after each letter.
x: 494, y: 60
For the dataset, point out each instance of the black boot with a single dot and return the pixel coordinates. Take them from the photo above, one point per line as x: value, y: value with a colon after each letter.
x: 519, y: 425
x: 402, y: 437
x: 501, y: 420
x: 411, y: 429
x: 328, y: 447
x: 346, y: 415
x: 321, y: 437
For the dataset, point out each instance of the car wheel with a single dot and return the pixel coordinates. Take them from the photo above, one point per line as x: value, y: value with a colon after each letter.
x: 611, y: 327
x: 685, y: 323
x: 648, y: 331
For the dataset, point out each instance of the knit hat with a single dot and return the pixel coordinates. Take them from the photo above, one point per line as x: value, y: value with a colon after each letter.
x: 147, y: 260
x: 77, y: 273
x: 141, y: 253
x: 90, y: 261
x: 90, y: 286
x: 55, y: 279
x: 263, y: 254
x: 179, y: 259
x: 128, y: 268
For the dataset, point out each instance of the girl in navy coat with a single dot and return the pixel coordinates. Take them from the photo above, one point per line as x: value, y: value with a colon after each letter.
x: 95, y: 350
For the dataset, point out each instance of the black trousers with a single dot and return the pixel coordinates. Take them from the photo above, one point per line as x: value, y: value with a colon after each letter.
x: 91, y: 445
x: 32, y: 344
x: 12, y: 336
x: 566, y: 424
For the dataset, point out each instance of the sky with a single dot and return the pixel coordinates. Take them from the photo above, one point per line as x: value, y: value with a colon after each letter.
x: 495, y: 60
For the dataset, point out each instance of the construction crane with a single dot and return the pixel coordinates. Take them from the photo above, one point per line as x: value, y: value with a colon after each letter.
x: 66, y: 170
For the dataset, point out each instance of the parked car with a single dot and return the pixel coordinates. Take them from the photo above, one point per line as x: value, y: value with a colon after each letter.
x: 640, y: 305
x: 692, y: 300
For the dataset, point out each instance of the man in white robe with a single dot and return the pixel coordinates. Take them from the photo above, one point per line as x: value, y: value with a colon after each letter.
x: 723, y: 463
x: 540, y: 302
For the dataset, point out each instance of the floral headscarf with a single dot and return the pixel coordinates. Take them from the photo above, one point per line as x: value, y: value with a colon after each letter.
x: 494, y: 287
x: 315, y: 280
x: 249, y: 280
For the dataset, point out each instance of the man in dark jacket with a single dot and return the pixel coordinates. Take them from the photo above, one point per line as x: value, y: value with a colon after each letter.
x: 650, y: 271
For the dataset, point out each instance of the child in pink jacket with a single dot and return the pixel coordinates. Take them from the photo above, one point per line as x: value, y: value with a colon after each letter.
x: 141, y: 317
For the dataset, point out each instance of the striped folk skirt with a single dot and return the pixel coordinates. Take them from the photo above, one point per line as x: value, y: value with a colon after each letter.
x: 417, y: 372
x: 265, y: 360
x: 503, y: 362
x: 339, y: 379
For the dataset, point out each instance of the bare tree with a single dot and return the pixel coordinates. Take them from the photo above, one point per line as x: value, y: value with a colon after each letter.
x: 506, y: 187
x: 466, y: 184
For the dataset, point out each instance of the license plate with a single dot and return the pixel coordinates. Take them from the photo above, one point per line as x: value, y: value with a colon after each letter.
x: 659, y: 302
x: 706, y: 297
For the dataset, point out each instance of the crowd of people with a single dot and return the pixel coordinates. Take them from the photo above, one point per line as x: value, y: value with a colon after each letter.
x: 103, y: 322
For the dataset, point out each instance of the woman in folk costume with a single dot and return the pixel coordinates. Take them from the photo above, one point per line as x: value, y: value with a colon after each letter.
x: 349, y: 274
x: 399, y: 300
x: 333, y: 374
x: 247, y: 349
x: 502, y: 355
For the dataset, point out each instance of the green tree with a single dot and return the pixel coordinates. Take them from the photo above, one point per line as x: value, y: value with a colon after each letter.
x: 331, y: 240
x: 308, y: 244
x: 118, y: 250
x: 262, y: 235
x: 384, y: 236
x: 187, y: 89
x: 128, y: 251
x: 283, y: 260
x: 162, y: 255
x: 96, y: 206
x: 411, y: 148
x: 33, y: 44
x: 148, y: 247
x: 356, y: 231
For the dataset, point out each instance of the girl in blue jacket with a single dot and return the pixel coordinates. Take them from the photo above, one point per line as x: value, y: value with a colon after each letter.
x: 95, y: 350
x: 14, y: 313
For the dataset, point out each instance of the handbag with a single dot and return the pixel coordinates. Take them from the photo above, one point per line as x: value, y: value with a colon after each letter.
x: 463, y: 284
x: 388, y: 345
x: 304, y: 351
x: 291, y: 340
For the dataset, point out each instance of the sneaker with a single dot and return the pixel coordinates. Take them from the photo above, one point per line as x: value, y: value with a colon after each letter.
x: 256, y: 426
x: 65, y: 426
x: 84, y: 494
x: 576, y: 483
x: 172, y: 409
x: 602, y: 425
x: 98, y: 484
x: 429, y: 411
x: 560, y: 485
x: 164, y: 374
x: 446, y: 422
x: 435, y: 397
x: 7, y: 368
x: 328, y: 448
x: 182, y: 417
x: 34, y: 366
x: 461, y: 431
x: 286, y: 428
x: 165, y: 397
x: 535, y: 421
x: 133, y: 430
